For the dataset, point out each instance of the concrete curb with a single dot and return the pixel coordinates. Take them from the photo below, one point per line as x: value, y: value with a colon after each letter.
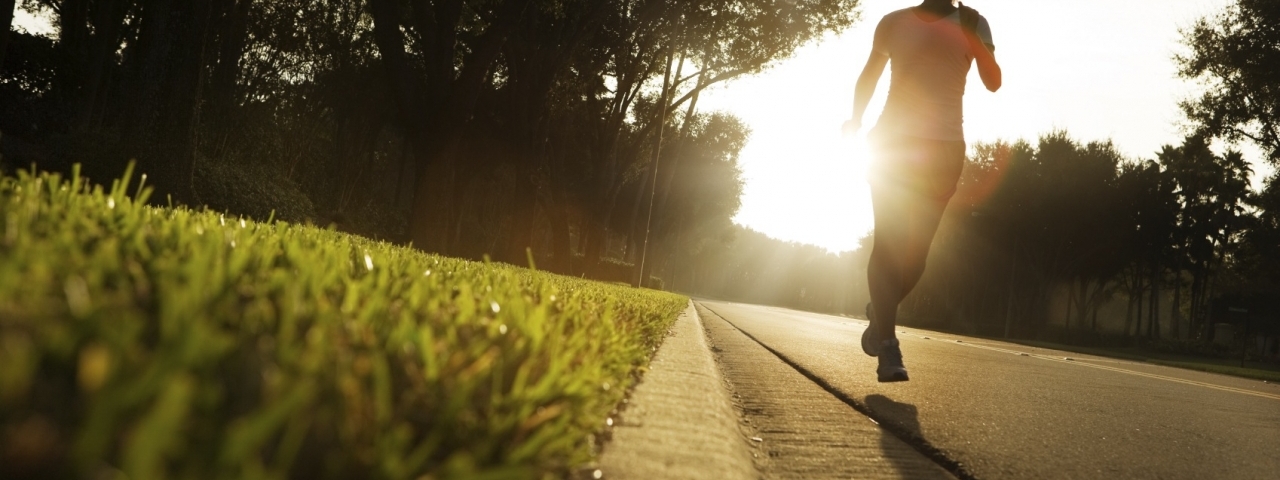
x: 680, y: 422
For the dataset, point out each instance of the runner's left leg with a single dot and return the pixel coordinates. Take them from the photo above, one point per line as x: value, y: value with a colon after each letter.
x: 909, y: 196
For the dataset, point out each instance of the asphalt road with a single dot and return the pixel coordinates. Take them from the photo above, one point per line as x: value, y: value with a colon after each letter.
x: 1004, y: 410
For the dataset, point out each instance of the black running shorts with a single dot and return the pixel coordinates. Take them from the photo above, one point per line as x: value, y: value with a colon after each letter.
x: 915, y: 166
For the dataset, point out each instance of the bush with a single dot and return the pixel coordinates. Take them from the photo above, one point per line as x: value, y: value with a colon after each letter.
x: 1188, y: 347
x: 252, y: 191
x: 610, y: 270
x: 655, y: 283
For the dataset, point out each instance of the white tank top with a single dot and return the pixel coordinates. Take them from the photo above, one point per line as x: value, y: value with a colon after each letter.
x: 929, y: 62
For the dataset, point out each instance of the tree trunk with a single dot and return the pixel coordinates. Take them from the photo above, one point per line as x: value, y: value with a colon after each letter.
x: 1066, y: 320
x: 406, y: 162
x: 676, y: 157
x: 73, y: 39
x: 6, y: 21
x: 167, y: 84
x: 1153, y: 323
x: 1208, y: 299
x: 1175, y: 314
x: 448, y: 100
x: 413, y: 113
x: 593, y: 238
x: 1142, y: 290
x: 232, y: 33
x: 108, y: 22
x: 1084, y: 303
x: 1203, y: 300
x: 1095, y: 320
x: 524, y: 235
x: 562, y: 253
x: 1094, y: 305
x: 1128, y: 311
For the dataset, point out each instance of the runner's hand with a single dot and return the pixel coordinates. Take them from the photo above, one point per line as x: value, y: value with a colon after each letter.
x: 968, y: 19
x: 851, y: 127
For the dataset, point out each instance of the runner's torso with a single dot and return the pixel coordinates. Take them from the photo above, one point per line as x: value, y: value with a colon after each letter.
x: 929, y: 63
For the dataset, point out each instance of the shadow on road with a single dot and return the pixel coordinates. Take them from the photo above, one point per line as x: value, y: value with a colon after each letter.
x: 901, y: 418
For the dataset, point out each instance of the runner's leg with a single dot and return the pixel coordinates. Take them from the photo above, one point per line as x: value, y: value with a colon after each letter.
x: 885, y: 276
x: 926, y: 214
x: 908, y: 205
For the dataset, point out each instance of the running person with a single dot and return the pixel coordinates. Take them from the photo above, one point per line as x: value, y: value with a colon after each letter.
x: 919, y: 149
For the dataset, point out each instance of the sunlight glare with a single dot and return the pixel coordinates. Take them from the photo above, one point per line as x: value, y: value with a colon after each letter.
x: 1097, y: 75
x: 817, y: 193
x: 805, y: 182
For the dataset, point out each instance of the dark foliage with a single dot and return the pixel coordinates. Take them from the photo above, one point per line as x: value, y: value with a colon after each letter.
x: 1235, y: 55
x: 466, y: 127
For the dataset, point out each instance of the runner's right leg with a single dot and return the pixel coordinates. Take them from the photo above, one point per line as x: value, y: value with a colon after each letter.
x: 912, y: 183
x: 885, y: 275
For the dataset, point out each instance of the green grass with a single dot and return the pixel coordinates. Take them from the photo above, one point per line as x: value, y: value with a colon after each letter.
x: 160, y: 343
x: 1220, y: 366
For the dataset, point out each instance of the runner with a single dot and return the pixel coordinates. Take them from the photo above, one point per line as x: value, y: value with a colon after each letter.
x: 919, y: 149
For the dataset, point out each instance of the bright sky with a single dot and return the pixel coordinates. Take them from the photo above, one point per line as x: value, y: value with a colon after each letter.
x: 1098, y: 68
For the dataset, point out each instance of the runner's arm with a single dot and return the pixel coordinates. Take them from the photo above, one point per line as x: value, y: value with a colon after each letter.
x: 865, y: 88
x: 988, y: 67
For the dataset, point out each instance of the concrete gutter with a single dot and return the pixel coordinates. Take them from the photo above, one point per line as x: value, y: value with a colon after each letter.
x: 679, y: 422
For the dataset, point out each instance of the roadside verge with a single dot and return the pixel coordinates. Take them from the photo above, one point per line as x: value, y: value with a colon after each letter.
x: 679, y: 422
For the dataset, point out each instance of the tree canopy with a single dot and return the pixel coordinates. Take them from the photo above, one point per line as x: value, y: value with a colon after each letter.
x: 466, y: 127
x: 1236, y: 56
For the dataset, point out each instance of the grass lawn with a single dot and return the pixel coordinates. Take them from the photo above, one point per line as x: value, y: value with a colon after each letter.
x: 158, y: 343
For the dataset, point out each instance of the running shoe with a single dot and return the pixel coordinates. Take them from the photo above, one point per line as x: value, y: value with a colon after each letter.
x: 891, y: 368
x: 870, y: 341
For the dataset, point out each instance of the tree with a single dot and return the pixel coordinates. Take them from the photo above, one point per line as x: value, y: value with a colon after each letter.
x: 6, y: 22
x: 746, y: 265
x: 1211, y: 195
x: 1147, y: 196
x: 1234, y: 55
x: 473, y: 127
x: 482, y: 86
x: 1261, y: 255
x: 1062, y: 206
x: 702, y: 195
x: 165, y: 91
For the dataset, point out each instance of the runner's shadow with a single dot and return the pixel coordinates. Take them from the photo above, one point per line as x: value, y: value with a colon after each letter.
x: 899, y: 422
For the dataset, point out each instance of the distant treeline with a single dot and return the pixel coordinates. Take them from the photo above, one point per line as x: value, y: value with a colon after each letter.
x: 1042, y: 236
x: 752, y: 267
x: 467, y: 127
x: 1030, y: 220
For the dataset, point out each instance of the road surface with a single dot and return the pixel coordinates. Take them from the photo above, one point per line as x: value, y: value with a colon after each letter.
x: 988, y: 409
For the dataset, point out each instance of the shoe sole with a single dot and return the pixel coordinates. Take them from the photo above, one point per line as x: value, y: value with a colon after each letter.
x: 894, y: 377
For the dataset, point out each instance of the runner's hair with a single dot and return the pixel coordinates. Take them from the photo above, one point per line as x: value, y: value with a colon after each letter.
x: 940, y: 8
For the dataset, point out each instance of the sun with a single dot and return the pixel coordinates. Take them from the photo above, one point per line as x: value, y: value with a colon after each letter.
x: 805, y: 182
x: 808, y: 187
